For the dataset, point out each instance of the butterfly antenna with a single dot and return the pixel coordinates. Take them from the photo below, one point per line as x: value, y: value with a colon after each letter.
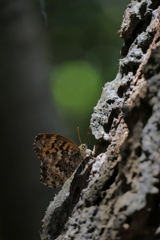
x: 86, y: 136
x: 79, y: 135
x: 78, y: 130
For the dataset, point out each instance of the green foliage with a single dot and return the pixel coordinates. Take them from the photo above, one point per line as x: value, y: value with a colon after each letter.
x: 85, y: 49
x: 76, y: 86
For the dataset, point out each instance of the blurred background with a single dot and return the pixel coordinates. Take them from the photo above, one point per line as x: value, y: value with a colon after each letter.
x: 55, y: 57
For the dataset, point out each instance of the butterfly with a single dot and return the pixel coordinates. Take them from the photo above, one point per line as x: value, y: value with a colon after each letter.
x: 59, y: 158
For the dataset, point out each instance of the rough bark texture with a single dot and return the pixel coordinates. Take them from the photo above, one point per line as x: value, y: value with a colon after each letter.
x: 116, y: 194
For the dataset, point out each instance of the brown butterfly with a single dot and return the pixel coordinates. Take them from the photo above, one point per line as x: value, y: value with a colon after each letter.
x: 59, y: 158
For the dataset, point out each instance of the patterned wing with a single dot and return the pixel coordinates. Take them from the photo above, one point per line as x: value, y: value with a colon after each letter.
x: 59, y: 158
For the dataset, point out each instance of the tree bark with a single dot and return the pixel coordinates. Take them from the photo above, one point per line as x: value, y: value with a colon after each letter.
x: 115, y: 194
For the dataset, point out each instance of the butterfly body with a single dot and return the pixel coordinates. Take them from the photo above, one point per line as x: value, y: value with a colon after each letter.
x: 59, y: 158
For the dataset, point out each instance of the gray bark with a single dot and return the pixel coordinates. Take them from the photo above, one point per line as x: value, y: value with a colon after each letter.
x: 115, y: 194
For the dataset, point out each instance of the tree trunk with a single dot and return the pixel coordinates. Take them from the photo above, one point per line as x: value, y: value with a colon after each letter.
x: 115, y: 194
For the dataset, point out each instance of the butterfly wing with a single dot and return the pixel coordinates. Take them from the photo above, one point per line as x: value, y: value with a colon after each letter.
x: 59, y: 158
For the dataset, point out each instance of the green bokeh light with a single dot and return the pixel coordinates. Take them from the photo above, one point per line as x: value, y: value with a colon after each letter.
x: 76, y: 86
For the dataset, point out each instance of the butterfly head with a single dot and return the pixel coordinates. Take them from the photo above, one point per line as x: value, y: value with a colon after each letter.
x: 83, y: 149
